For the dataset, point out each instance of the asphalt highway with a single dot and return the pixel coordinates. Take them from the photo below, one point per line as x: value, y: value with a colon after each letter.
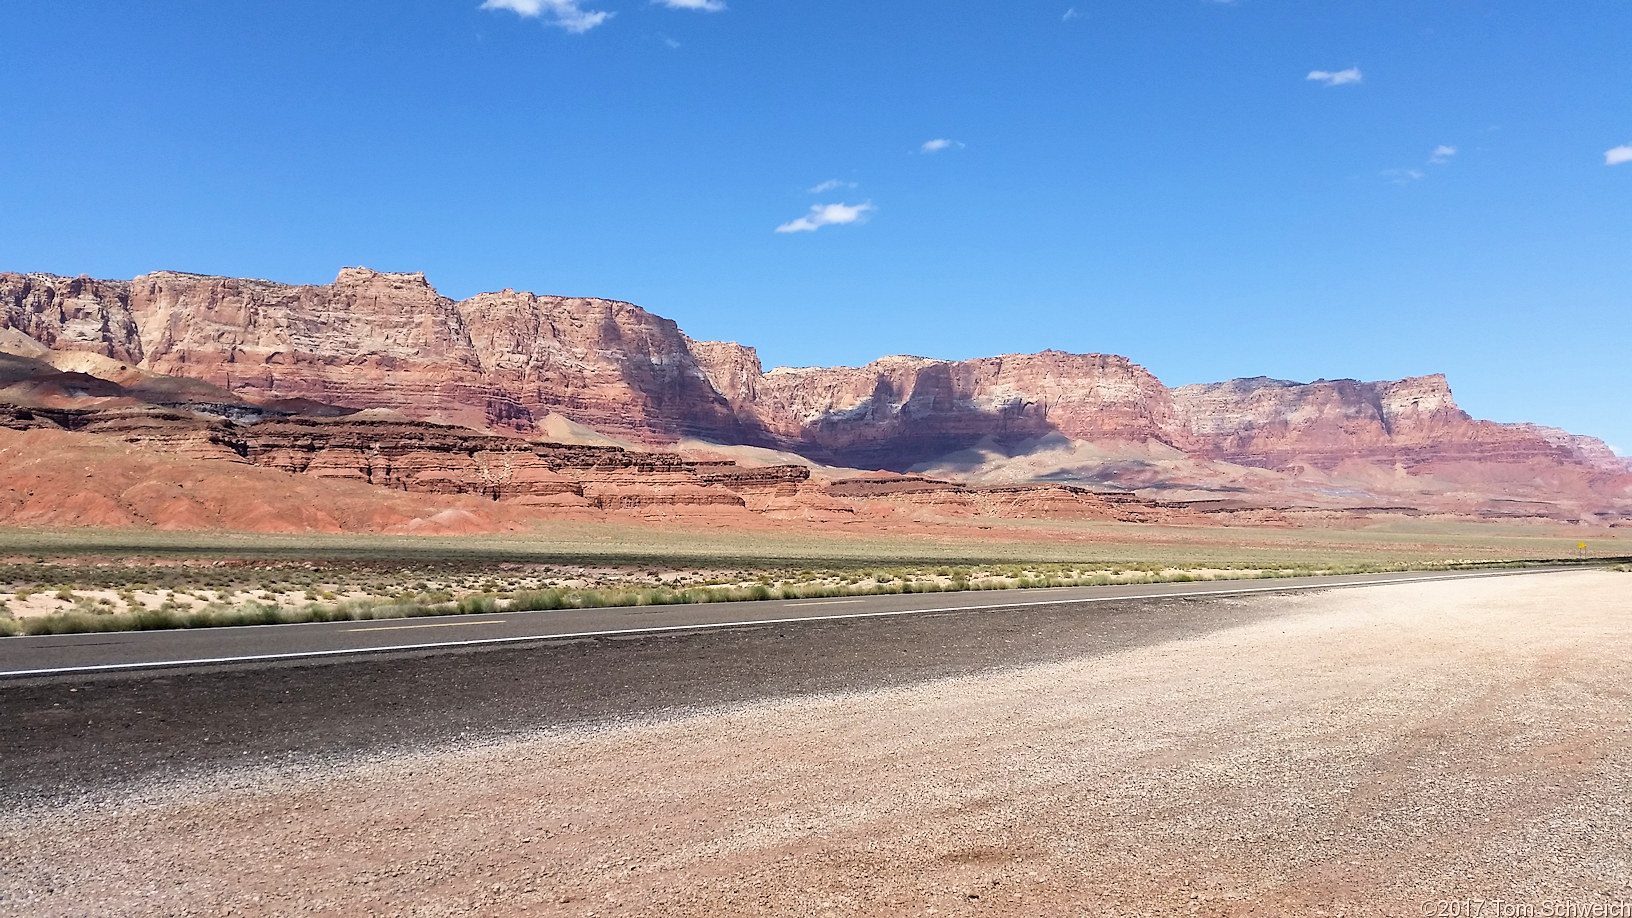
x: 67, y: 654
x: 110, y: 714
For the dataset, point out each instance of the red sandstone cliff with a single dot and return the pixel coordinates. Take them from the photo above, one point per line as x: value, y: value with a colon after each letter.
x: 504, y: 360
x: 1273, y: 423
x: 900, y: 410
x: 371, y: 339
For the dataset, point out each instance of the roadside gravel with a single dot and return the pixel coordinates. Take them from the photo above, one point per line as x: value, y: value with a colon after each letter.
x: 1366, y: 752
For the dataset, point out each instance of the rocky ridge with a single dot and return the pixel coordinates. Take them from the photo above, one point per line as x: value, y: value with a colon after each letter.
x: 372, y: 339
x: 528, y: 476
x: 432, y: 458
x: 504, y: 361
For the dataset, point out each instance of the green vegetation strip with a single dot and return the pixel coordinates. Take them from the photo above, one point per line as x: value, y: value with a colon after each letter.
x: 1015, y: 542
x: 808, y: 585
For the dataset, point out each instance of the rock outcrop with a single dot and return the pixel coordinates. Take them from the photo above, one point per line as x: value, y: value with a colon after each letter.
x: 1273, y: 423
x: 430, y: 458
x: 507, y: 361
x: 521, y: 477
x: 899, y: 410
x: 372, y: 339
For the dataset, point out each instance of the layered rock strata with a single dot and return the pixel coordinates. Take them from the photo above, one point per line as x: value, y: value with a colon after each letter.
x: 438, y: 459
x: 432, y: 458
x: 1273, y: 423
x: 372, y: 339
x: 1053, y: 501
x: 506, y: 360
x: 900, y: 410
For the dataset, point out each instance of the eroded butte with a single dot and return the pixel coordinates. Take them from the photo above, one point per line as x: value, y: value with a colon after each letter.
x: 306, y: 379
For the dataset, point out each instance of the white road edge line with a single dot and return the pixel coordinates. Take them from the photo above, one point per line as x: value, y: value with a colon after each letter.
x: 296, y: 655
x: 365, y: 629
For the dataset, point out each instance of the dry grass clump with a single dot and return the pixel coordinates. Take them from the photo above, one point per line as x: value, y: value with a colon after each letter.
x: 220, y: 615
x: 253, y: 597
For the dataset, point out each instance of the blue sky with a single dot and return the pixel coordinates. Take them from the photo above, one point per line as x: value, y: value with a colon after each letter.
x: 1336, y: 189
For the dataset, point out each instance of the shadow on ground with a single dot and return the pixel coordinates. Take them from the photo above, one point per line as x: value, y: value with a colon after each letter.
x: 64, y: 737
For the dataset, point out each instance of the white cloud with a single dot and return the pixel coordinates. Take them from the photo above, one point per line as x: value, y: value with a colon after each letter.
x: 707, y: 6
x: 939, y: 144
x: 831, y: 184
x: 828, y: 215
x: 667, y: 40
x: 565, y: 13
x: 1442, y: 154
x: 1070, y: 14
x: 1335, y: 77
x: 1621, y: 154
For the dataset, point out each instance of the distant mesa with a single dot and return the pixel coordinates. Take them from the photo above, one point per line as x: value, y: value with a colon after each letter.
x: 386, y: 348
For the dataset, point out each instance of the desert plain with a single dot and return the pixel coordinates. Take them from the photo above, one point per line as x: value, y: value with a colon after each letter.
x: 694, y: 458
x: 180, y: 451
x: 1394, y: 749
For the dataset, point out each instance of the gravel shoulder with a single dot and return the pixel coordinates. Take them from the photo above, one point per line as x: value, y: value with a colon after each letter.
x: 1359, y: 751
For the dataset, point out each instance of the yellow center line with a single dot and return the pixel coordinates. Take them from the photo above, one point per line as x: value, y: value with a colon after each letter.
x: 826, y: 602
x: 434, y: 625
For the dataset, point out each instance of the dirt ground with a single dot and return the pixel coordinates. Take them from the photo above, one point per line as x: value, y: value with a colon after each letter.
x: 1392, y: 750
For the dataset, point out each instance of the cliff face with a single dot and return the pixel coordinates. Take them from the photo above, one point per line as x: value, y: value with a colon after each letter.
x: 371, y: 339
x: 612, y: 366
x: 900, y: 410
x: 506, y: 359
x: 429, y: 458
x: 1412, y: 422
